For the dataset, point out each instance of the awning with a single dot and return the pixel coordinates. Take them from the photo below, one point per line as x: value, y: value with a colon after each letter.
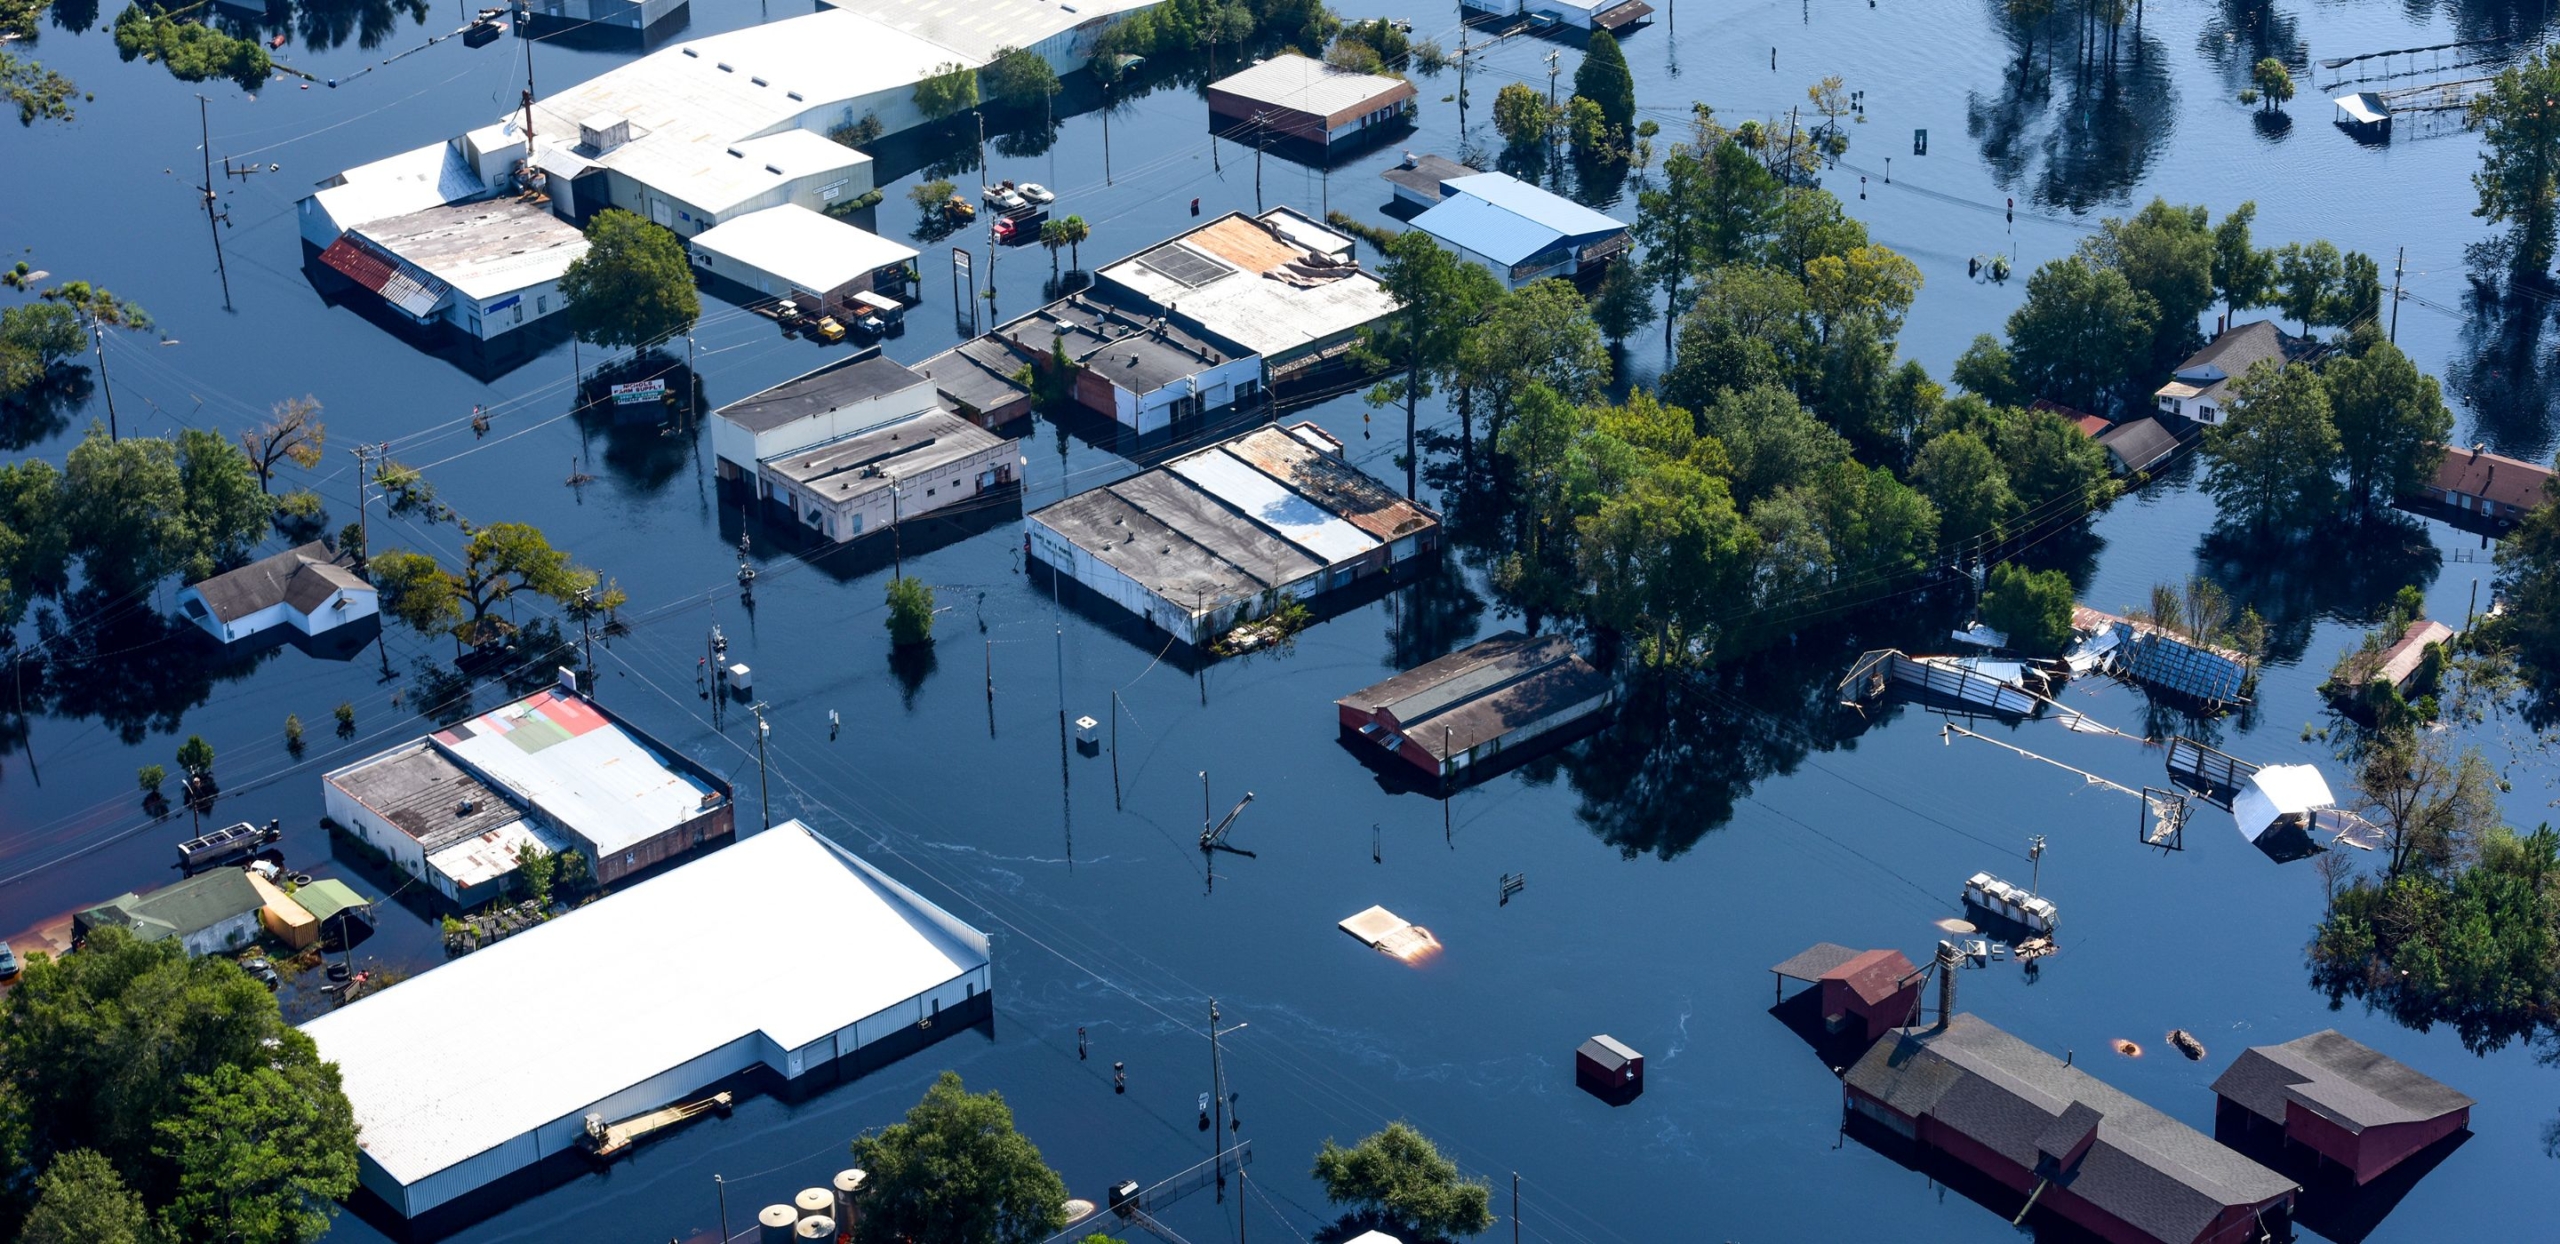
x: 2363, y: 107
x: 1627, y: 14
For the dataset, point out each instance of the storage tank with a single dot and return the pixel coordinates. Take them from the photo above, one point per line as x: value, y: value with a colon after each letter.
x: 814, y: 1203
x: 818, y: 1228
x: 774, y: 1224
x: 848, y: 1186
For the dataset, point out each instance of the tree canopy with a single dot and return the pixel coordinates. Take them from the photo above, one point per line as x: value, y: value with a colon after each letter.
x: 2031, y: 607
x: 2392, y: 423
x: 2519, y: 177
x: 951, y: 87
x: 956, y: 1172
x: 1020, y: 78
x: 499, y: 562
x: 2082, y: 334
x: 1399, y: 1175
x: 633, y: 287
x: 2271, y: 460
x: 1604, y: 79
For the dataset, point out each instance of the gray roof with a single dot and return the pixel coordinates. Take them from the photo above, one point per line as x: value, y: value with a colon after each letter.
x: 2338, y: 1077
x: 838, y: 384
x: 421, y: 790
x: 1811, y: 962
x: 1423, y: 174
x: 868, y: 462
x: 302, y: 576
x: 1130, y: 349
x: 2237, y: 350
x: 2149, y: 1170
x: 1483, y: 691
x: 1298, y: 84
x: 977, y: 373
x: 2140, y: 443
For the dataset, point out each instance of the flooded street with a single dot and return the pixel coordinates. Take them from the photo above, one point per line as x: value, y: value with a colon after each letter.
x: 1708, y: 832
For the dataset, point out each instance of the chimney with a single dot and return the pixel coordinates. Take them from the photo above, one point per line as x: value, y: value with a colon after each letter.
x: 1947, y: 961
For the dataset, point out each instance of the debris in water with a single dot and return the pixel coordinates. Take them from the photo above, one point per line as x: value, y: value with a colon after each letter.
x: 1952, y: 925
x: 2187, y: 1044
x: 2126, y: 1048
x: 1392, y: 934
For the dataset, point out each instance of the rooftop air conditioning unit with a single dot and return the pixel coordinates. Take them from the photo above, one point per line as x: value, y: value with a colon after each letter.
x: 604, y: 131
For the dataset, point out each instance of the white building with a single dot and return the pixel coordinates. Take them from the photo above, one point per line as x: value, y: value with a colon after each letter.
x: 621, y: 14
x: 2200, y: 391
x: 1611, y: 15
x: 1061, y: 32
x: 1280, y: 286
x: 847, y: 488
x: 452, y: 171
x: 784, y: 951
x: 838, y: 400
x: 792, y: 252
x: 485, y: 268
x: 306, y: 587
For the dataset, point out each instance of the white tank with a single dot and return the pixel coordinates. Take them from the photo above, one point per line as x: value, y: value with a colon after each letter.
x: 848, y: 1186
x: 814, y: 1202
x: 818, y: 1228
x: 774, y: 1224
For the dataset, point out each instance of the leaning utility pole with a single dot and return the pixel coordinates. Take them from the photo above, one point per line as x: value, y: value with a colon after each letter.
x: 213, y: 221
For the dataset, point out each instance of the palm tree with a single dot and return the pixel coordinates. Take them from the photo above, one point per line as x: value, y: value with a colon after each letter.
x: 1053, y: 236
x: 1075, y: 231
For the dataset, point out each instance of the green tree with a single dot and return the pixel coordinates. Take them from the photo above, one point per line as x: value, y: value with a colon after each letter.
x: 149, y: 777
x: 2031, y: 607
x: 1441, y: 297
x: 191, y: 51
x: 2243, y: 275
x: 2392, y: 423
x: 81, y: 1200
x: 1019, y: 78
x: 910, y: 612
x: 2274, y: 83
x: 35, y: 339
x: 1959, y: 475
x: 195, y: 756
x: 1053, y: 238
x: 2519, y: 177
x: 123, y: 509
x: 2274, y: 457
x: 37, y: 92
x: 950, y: 88
x: 1077, y: 233
x: 499, y: 562
x: 2058, y: 472
x: 1662, y: 557
x: 1523, y: 116
x: 1809, y: 224
x: 930, y: 196
x: 1541, y: 334
x: 1353, y: 54
x: 1399, y: 1175
x: 537, y: 870
x: 2528, y: 562
x: 1622, y: 306
x: 1593, y: 141
x: 225, y: 511
x: 2083, y: 332
x: 956, y: 1172
x: 1986, y: 371
x: 1604, y: 79
x: 261, y: 1153
x: 1748, y: 329
x: 2166, y: 253
x: 1770, y: 439
x: 2308, y: 280
x: 1868, y: 282
x: 633, y: 287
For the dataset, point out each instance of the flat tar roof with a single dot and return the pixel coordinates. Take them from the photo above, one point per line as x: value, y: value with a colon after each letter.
x: 581, y: 769
x: 419, y: 789
x: 977, y: 373
x: 837, y: 384
x: 873, y: 460
x: 484, y: 249
x: 1483, y: 691
x: 784, y: 934
x: 1128, y: 348
x: 1255, y: 281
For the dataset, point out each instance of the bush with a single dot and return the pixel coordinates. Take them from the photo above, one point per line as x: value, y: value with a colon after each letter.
x: 910, y: 612
x: 2032, y: 607
x: 150, y: 777
x: 293, y: 731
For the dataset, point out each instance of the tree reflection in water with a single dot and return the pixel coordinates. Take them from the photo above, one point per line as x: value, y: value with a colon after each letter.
x: 2505, y: 376
x: 2087, y: 145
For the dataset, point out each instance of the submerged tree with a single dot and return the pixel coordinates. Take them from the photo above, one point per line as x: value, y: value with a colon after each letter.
x: 499, y: 562
x: 2273, y: 455
x: 910, y: 612
x: 956, y: 1172
x: 292, y: 434
x: 2519, y: 177
x: 633, y: 287
x: 1399, y: 1175
x: 2031, y: 607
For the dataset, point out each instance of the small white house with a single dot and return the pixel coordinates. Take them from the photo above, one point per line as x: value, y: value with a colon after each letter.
x: 307, y: 588
x: 2200, y: 392
x: 792, y: 252
x: 838, y: 400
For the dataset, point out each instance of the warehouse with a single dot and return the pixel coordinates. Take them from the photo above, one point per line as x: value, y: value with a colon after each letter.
x: 784, y: 952
x: 870, y: 481
x: 1520, y: 232
x: 553, y: 769
x: 816, y: 260
x: 1210, y: 538
x: 1469, y: 707
x: 1138, y: 370
x: 484, y: 269
x: 1278, y: 285
x: 847, y: 396
x: 1289, y: 96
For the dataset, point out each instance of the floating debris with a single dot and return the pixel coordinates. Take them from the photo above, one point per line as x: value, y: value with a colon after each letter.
x: 2126, y: 1048
x: 1391, y: 934
x: 2187, y: 1044
x: 1952, y: 925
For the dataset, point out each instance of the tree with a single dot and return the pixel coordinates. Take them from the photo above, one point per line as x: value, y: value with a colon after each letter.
x: 224, y: 510
x: 910, y: 612
x: 149, y: 777
x: 98, y: 310
x: 124, y: 509
x: 181, y: 1075
x: 195, y: 756
x: 951, y: 87
x: 1542, y: 334
x: 191, y: 51
x: 2081, y: 335
x: 1053, y: 238
x: 1604, y: 79
x: 81, y: 1200
x: 2273, y: 81
x: 1441, y: 296
x: 293, y: 434
x: 1522, y: 116
x: 1748, y: 329
x: 2167, y: 254
x: 1019, y: 78
x: 2528, y: 562
x: 2432, y: 805
x: 1399, y: 1175
x: 1663, y: 556
x: 1077, y: 233
x: 1869, y: 282
x: 1959, y: 475
x: 1593, y: 141
x: 500, y: 561
x: 38, y: 92
x: 2031, y: 607
x: 2307, y: 281
x: 2243, y: 275
x: 2272, y: 458
x: 1229, y: 23
x: 1770, y: 439
x: 930, y: 196
x: 1667, y: 228
x: 1986, y: 371
x: 35, y: 339
x: 956, y: 1172
x: 1622, y: 306
x: 2519, y: 177
x: 536, y: 871
x: 2391, y: 421
x: 633, y: 287
x: 1353, y: 54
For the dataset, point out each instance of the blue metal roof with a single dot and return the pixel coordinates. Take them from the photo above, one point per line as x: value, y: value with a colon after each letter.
x: 1508, y: 220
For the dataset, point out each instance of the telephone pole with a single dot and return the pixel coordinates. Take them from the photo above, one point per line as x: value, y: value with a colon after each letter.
x: 2035, y: 861
x: 213, y: 221
x: 364, y: 534
x: 2398, y: 264
x: 764, y: 797
x: 1218, y: 1098
x: 1552, y: 55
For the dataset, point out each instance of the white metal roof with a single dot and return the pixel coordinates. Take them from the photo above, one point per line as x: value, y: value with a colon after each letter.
x: 492, y: 854
x: 978, y: 29
x: 784, y: 934
x: 2278, y: 791
x: 397, y: 185
x: 810, y: 250
x: 1266, y: 315
x: 580, y: 769
x: 1300, y: 84
x: 1301, y: 522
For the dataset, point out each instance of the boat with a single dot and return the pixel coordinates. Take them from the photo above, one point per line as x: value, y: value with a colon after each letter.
x: 606, y: 1141
x: 2012, y: 903
x: 226, y: 845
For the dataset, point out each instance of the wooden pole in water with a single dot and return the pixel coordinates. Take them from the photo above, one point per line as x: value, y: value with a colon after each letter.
x: 1515, y: 1207
x: 723, y: 1186
x: 1115, y: 740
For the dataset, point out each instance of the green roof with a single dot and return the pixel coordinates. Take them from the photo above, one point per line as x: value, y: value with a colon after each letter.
x: 191, y: 906
x: 327, y: 897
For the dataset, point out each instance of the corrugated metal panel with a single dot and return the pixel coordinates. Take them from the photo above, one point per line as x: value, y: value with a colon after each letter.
x: 1296, y: 519
x: 1488, y: 230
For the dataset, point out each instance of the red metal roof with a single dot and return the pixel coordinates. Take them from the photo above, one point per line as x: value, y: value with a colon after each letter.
x: 1874, y: 976
x: 361, y: 265
x: 2505, y: 480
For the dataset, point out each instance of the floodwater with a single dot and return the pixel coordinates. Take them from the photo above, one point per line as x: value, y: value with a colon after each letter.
x: 1668, y: 860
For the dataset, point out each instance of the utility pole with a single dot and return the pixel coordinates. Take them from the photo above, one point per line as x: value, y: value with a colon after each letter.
x: 1257, y: 161
x: 723, y: 1186
x: 212, y: 221
x: 1115, y: 733
x: 1515, y: 1207
x: 764, y: 797
x: 2035, y: 861
x: 363, y: 531
x: 1552, y: 55
x: 98, y: 340
x: 2398, y: 265
x: 1218, y: 1098
x: 897, y: 541
x: 527, y: 36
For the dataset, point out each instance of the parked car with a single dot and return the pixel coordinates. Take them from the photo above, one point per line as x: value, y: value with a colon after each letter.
x: 8, y: 962
x: 787, y: 313
x: 1035, y: 192
x: 1003, y: 199
x: 262, y: 972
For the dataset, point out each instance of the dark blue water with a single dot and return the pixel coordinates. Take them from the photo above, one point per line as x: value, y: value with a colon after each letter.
x: 1669, y: 860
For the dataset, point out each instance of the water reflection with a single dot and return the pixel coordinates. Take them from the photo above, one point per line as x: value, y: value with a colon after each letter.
x: 2093, y: 145
x: 119, y: 660
x: 2296, y: 580
x: 2504, y: 376
x: 2240, y: 33
x: 44, y: 410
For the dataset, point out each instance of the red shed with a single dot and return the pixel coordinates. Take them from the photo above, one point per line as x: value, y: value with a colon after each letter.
x: 2343, y: 1100
x: 1871, y: 991
x: 1606, y: 1067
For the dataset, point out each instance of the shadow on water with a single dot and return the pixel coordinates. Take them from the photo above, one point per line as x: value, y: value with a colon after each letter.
x: 2074, y: 138
x: 123, y: 662
x: 44, y: 411
x: 2296, y: 580
x: 2504, y: 376
x: 2240, y: 33
x: 1429, y: 618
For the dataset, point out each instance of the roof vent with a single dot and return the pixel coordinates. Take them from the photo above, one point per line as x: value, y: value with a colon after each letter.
x: 466, y: 806
x: 759, y: 81
x: 724, y: 67
x: 774, y: 169
x: 796, y: 95
x: 735, y: 152
x: 694, y: 54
